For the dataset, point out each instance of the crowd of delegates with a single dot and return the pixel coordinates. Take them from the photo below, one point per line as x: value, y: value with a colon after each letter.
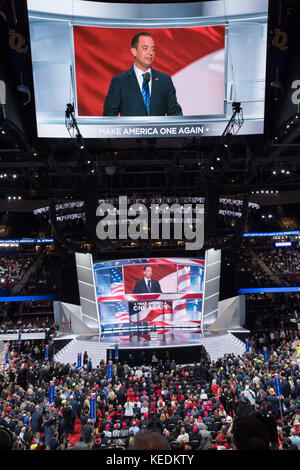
x: 249, y: 273
x: 45, y: 278
x: 222, y: 405
x: 284, y: 263
x: 31, y: 323
x: 12, y: 269
x: 267, y: 310
x: 42, y: 280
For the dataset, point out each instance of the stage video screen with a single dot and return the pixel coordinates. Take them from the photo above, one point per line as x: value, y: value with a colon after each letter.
x: 160, y: 292
x: 148, y: 70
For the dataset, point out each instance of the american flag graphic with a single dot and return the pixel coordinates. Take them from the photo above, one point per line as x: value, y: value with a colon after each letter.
x: 184, y: 278
x: 122, y: 313
x: 179, y: 311
x: 116, y: 277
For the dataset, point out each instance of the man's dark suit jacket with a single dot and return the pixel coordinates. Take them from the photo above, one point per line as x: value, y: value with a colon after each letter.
x: 141, y: 288
x: 124, y: 96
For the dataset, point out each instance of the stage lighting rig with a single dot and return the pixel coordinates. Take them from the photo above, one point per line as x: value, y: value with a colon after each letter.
x: 72, y: 126
x: 235, y: 123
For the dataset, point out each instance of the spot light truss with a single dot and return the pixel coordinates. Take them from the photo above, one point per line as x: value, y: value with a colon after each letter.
x: 236, y: 121
x: 72, y: 126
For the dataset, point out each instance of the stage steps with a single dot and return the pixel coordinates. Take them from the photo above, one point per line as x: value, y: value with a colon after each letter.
x: 96, y: 351
x: 226, y: 343
x: 216, y: 346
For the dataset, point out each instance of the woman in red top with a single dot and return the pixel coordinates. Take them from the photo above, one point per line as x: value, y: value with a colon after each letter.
x: 214, y: 387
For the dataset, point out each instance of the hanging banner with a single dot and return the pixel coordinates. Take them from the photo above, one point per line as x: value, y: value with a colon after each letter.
x: 247, y: 345
x: 19, y: 338
x: 5, y: 358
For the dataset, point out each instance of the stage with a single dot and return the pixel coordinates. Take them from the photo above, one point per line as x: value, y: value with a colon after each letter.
x: 182, y: 321
x: 182, y: 345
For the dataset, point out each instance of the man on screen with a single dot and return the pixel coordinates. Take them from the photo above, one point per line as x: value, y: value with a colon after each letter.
x: 147, y: 284
x: 142, y: 91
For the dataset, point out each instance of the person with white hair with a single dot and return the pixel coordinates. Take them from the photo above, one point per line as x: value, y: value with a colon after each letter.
x: 250, y: 395
x: 294, y: 438
x: 183, y: 436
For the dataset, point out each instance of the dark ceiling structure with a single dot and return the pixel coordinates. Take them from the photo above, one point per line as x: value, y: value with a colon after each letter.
x: 40, y: 169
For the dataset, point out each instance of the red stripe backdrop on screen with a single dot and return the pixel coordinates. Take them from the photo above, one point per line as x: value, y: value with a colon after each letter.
x: 101, y: 53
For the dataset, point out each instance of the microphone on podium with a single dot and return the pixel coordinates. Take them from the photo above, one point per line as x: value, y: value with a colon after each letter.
x: 147, y: 77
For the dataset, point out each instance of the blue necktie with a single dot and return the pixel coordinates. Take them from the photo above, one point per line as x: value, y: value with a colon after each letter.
x: 146, y: 93
x: 149, y: 286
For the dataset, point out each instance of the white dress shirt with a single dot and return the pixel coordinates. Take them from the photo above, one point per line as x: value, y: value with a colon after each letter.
x: 146, y: 281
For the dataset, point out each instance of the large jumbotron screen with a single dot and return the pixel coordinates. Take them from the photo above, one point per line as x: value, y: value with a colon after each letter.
x: 207, y: 55
x: 150, y: 292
